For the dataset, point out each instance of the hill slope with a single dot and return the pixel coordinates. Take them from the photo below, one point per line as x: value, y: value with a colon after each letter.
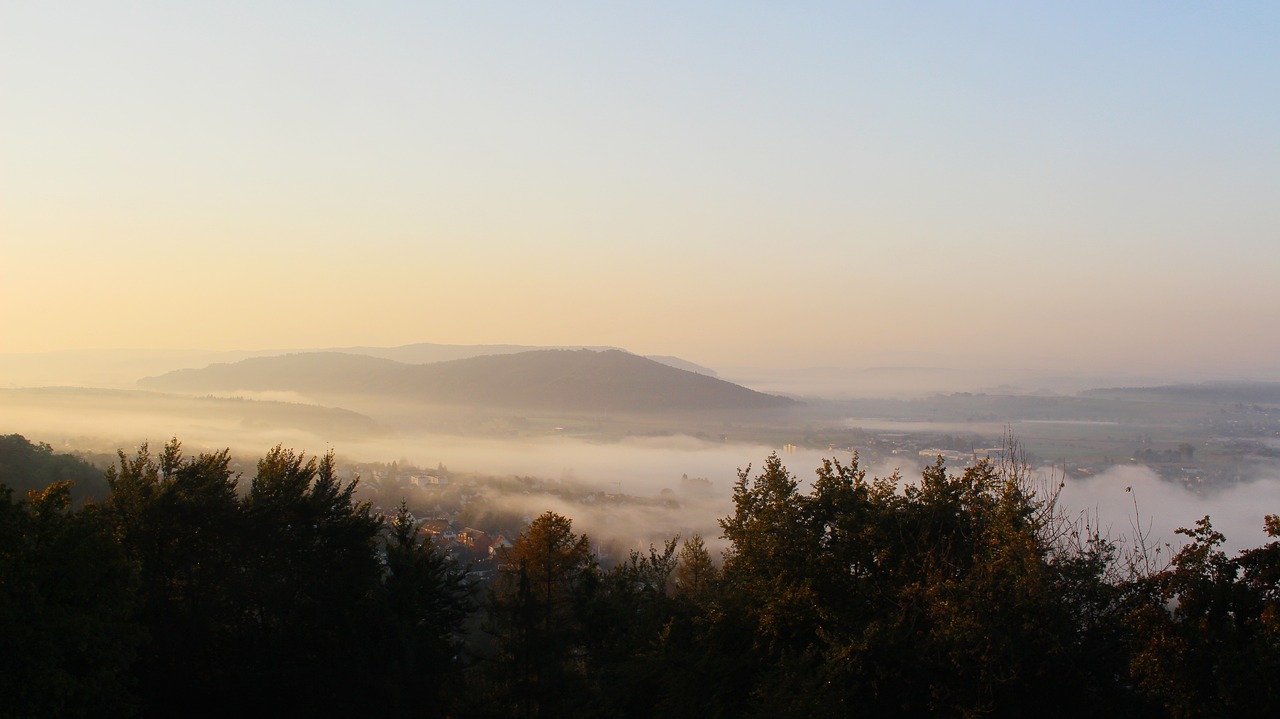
x: 428, y: 353
x: 578, y: 380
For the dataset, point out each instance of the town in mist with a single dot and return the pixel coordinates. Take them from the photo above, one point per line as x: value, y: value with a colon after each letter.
x: 786, y: 342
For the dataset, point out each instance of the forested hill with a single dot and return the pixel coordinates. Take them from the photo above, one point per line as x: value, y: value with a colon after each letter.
x: 563, y: 380
x: 26, y: 466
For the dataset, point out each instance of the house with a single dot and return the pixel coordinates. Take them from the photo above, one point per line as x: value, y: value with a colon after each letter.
x: 472, y: 537
x: 500, y: 544
x: 435, y: 526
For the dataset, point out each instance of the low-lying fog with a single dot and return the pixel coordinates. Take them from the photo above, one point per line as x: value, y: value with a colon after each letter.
x: 1162, y: 507
x: 643, y: 467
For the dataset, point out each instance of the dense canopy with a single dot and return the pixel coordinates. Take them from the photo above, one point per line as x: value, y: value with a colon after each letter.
x: 960, y: 594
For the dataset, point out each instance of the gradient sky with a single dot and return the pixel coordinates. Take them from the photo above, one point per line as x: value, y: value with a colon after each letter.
x: 1067, y: 185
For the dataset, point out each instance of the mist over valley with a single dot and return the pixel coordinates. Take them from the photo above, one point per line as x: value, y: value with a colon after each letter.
x: 609, y: 421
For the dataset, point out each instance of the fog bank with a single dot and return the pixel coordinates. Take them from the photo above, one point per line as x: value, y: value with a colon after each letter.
x: 1162, y: 507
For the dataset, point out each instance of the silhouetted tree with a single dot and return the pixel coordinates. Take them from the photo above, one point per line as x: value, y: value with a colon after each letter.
x: 425, y: 598
x: 314, y: 569
x: 67, y: 642
x: 536, y: 612
x: 178, y: 518
x: 935, y: 597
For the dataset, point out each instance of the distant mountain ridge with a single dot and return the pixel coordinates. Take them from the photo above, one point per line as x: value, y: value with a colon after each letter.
x: 563, y: 380
x: 430, y: 352
x: 121, y: 368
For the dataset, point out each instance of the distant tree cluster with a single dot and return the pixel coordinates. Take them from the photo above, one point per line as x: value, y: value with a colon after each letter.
x: 958, y: 595
x: 1185, y: 452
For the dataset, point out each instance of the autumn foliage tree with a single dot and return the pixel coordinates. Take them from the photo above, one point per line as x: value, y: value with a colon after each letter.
x: 536, y: 615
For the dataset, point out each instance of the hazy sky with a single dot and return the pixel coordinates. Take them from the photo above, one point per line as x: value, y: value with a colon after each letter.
x: 1077, y: 185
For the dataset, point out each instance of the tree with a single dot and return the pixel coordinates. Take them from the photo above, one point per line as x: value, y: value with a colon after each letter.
x: 554, y: 561
x: 621, y: 620
x: 695, y: 574
x: 425, y: 597
x: 536, y: 613
x: 941, y: 596
x: 1204, y: 631
x: 313, y: 574
x: 253, y: 603
x: 178, y: 518
x: 66, y: 600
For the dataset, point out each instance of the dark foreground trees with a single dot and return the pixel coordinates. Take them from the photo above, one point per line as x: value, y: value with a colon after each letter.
x: 1205, y: 631
x: 68, y: 637
x: 960, y: 594
x: 180, y: 591
x: 948, y: 596
x: 537, y: 612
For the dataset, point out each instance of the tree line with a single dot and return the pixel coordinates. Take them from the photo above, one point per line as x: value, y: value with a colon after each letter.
x: 960, y: 594
x: 179, y: 589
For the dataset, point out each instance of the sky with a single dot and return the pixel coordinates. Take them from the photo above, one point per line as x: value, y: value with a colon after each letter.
x: 1072, y: 186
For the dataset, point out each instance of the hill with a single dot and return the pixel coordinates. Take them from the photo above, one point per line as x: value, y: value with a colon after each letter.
x: 429, y: 353
x: 133, y: 415
x: 554, y: 380
x: 27, y: 466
